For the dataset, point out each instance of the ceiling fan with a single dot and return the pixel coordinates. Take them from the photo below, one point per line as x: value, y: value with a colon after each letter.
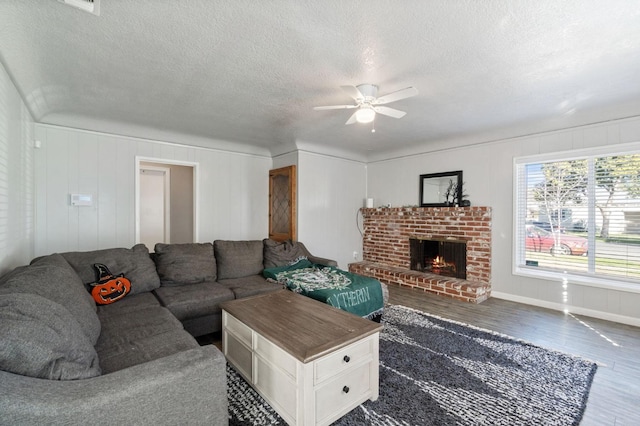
x: 368, y: 102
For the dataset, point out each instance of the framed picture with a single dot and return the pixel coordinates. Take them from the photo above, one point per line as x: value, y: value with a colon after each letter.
x: 441, y: 189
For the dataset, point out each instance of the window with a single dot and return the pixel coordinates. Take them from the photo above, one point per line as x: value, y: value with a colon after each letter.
x: 579, y: 216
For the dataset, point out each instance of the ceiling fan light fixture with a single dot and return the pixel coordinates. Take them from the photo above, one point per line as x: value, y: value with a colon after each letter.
x: 365, y: 115
x: 368, y: 103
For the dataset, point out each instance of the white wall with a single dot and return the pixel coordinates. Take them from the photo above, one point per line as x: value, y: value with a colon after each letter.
x: 232, y: 199
x: 488, y: 177
x: 331, y: 190
x: 16, y: 178
x: 284, y: 160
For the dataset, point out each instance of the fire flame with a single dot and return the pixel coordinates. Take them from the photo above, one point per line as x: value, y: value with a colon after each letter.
x: 439, y: 262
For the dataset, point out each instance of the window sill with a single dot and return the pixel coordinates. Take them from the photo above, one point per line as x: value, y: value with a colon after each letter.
x: 577, y: 279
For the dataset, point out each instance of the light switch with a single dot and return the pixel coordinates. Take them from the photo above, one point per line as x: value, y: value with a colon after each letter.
x: 82, y: 200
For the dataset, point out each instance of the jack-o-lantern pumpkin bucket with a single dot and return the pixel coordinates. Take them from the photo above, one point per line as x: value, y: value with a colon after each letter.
x: 108, y: 288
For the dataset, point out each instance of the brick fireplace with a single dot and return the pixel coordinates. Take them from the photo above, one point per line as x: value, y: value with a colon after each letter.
x: 386, y: 248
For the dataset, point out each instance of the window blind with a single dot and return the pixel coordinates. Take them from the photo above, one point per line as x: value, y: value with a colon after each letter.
x: 579, y: 215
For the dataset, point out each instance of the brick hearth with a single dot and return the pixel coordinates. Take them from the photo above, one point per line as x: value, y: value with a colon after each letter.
x: 386, y: 248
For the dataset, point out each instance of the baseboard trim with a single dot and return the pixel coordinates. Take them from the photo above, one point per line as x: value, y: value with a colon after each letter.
x: 623, y: 319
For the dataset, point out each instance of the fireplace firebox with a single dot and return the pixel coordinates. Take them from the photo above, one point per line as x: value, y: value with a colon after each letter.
x: 439, y: 256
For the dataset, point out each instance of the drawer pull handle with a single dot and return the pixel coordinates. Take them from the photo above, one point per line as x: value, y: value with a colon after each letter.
x: 345, y: 389
x: 346, y: 358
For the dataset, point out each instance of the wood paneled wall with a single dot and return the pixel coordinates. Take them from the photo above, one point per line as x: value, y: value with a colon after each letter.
x: 489, y: 176
x: 16, y: 178
x: 232, y: 200
x: 330, y: 193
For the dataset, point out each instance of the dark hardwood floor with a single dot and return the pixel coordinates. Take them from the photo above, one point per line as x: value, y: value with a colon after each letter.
x: 615, y: 395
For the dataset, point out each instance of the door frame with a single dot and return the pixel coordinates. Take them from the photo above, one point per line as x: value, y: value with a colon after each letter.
x: 160, y: 162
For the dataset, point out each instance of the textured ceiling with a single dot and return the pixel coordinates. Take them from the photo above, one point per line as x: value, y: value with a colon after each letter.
x: 250, y: 72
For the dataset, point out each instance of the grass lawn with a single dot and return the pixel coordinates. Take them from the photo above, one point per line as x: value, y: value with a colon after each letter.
x: 626, y: 268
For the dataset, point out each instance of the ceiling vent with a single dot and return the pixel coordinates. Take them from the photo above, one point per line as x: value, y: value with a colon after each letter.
x: 91, y: 6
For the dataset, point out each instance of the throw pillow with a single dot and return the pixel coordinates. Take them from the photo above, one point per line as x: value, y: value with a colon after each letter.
x: 39, y: 338
x: 281, y: 253
x: 272, y: 273
x: 108, y: 288
x: 53, y: 278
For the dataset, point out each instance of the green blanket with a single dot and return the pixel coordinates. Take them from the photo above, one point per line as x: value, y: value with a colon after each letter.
x: 350, y: 292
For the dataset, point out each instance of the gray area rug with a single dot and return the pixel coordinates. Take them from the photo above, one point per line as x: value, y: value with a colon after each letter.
x: 439, y: 372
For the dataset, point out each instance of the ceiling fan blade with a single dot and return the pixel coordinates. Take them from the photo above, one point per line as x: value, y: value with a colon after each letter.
x: 352, y: 119
x: 322, y: 108
x: 396, y: 96
x: 353, y: 92
x: 391, y: 112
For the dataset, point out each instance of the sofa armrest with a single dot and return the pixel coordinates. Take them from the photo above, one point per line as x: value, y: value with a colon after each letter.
x: 322, y: 261
x: 189, y: 385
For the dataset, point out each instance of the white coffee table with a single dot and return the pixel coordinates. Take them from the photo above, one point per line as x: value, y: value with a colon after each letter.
x: 313, y: 363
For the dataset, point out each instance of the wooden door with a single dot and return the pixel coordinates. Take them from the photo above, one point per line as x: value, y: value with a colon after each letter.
x: 282, y: 203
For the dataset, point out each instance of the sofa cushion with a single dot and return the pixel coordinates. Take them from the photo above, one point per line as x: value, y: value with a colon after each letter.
x: 134, y: 325
x: 53, y: 278
x: 135, y: 263
x: 135, y: 336
x: 250, y: 286
x: 127, y: 354
x: 40, y: 338
x: 281, y: 253
x: 190, y: 263
x: 133, y: 302
x: 194, y: 300
x: 237, y: 259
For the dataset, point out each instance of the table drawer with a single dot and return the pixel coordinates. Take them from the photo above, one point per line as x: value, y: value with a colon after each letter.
x: 276, y: 356
x: 343, y: 359
x: 242, y: 332
x: 239, y: 355
x: 336, y: 396
x: 277, y: 387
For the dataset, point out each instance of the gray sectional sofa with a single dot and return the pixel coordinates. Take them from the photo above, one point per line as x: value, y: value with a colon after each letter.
x: 65, y: 360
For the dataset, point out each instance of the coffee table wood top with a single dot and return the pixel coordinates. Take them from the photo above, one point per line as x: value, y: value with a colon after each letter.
x: 304, y: 327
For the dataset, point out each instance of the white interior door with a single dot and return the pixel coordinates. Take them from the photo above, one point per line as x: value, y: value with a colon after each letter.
x: 155, y: 183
